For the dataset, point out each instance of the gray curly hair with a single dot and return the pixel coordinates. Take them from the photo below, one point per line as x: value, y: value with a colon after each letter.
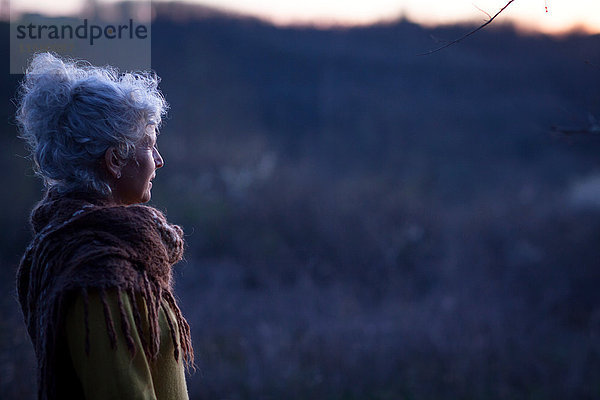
x: 70, y: 113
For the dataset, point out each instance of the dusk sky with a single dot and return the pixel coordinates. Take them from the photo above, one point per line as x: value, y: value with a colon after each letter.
x: 529, y: 14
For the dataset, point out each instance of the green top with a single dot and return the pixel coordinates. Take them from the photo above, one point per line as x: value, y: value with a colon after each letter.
x: 107, y: 373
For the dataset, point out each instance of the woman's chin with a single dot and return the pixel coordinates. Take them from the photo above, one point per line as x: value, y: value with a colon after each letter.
x: 148, y: 195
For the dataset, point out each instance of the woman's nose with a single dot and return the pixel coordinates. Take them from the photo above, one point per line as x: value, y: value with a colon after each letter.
x: 158, y: 160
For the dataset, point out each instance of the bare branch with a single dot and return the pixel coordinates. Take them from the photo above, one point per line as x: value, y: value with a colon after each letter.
x: 483, y: 11
x: 437, y: 39
x: 469, y: 33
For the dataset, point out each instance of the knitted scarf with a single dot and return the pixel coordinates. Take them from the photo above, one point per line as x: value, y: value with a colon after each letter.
x: 82, y: 244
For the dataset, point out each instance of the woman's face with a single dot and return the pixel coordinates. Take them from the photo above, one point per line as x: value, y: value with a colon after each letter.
x: 135, y: 184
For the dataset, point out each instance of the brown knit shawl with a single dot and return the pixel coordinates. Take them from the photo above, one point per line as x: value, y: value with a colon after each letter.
x: 84, y: 244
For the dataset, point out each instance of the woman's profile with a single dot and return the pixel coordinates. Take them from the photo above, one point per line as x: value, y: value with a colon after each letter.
x: 95, y: 283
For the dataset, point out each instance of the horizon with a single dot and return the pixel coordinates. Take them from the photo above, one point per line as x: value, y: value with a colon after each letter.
x: 527, y: 17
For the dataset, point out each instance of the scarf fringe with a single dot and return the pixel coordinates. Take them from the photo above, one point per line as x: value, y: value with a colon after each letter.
x: 150, y: 340
x: 110, y: 326
x: 184, y: 332
x: 126, y: 326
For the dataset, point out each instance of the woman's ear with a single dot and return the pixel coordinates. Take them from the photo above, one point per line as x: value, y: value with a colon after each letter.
x: 113, y: 166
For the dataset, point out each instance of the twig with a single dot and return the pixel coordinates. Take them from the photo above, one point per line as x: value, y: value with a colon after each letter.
x: 483, y: 11
x: 437, y: 39
x: 489, y: 21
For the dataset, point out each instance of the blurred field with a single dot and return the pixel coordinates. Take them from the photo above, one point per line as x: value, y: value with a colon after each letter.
x: 362, y: 222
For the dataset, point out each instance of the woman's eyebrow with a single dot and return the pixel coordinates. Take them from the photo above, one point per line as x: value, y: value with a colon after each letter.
x: 152, y: 134
x: 146, y: 141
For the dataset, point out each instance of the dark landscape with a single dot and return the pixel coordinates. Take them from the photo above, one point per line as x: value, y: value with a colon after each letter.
x: 363, y: 222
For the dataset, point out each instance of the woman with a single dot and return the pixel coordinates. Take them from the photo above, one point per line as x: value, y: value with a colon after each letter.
x: 95, y: 283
